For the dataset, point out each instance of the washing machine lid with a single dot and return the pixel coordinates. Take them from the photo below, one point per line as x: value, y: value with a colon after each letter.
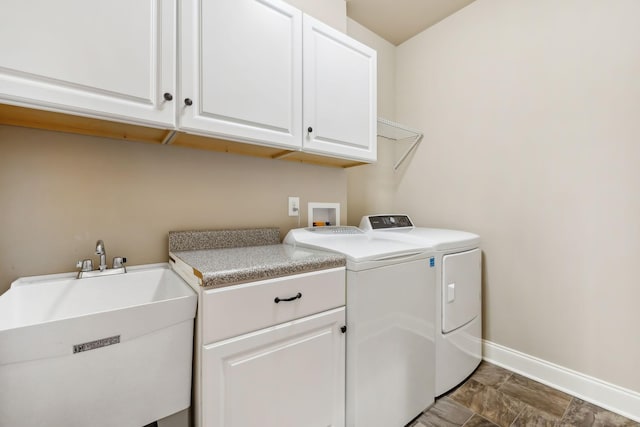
x: 352, y: 242
x: 401, y: 226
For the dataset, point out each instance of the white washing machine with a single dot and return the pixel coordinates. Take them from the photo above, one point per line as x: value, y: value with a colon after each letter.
x: 458, y: 293
x: 390, y: 311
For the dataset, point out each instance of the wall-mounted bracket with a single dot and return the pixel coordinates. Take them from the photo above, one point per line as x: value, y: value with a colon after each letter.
x: 396, y: 132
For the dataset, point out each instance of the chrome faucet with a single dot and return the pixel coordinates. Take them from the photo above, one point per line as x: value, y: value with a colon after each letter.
x: 100, y: 250
x: 86, y: 265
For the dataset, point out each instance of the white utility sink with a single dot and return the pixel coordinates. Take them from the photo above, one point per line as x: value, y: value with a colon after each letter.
x: 102, y: 351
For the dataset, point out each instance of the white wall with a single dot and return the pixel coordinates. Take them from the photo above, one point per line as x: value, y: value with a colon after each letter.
x: 531, y: 111
x: 331, y: 12
x: 60, y: 193
x: 371, y: 187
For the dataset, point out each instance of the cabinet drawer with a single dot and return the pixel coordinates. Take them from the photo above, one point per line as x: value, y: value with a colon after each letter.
x: 235, y: 310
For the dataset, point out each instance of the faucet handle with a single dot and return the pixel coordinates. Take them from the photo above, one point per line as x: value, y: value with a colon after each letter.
x: 85, y: 265
x: 118, y: 262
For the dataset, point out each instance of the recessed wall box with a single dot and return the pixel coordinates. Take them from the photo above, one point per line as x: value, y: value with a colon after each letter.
x: 321, y: 214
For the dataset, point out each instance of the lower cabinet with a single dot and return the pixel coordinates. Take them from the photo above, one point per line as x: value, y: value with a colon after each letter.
x: 291, y: 374
x: 272, y: 353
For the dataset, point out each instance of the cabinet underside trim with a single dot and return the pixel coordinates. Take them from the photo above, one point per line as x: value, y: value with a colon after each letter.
x: 13, y: 115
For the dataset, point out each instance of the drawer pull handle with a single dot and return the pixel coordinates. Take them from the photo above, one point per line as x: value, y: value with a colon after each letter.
x: 278, y: 299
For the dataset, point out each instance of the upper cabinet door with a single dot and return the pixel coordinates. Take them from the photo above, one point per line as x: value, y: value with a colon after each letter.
x: 241, y: 70
x: 112, y: 59
x: 339, y: 94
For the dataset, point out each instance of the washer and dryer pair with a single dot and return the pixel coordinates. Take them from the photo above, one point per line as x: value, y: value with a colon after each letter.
x: 413, y: 313
x: 458, y: 298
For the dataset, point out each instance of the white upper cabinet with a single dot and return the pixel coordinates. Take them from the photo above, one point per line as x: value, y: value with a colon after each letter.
x: 112, y: 59
x: 241, y: 70
x: 251, y: 71
x: 339, y: 94
x: 260, y: 71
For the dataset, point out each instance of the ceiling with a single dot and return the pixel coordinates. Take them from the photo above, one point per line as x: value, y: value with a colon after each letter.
x: 398, y: 20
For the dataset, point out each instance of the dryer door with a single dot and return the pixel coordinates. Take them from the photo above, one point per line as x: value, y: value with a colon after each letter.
x: 461, y: 294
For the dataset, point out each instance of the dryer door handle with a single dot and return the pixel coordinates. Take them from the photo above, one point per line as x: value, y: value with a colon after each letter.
x: 451, y: 292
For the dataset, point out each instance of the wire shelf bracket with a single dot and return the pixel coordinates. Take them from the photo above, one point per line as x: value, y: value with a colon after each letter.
x: 396, y: 132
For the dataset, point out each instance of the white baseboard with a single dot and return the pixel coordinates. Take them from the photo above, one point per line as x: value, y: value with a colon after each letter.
x: 609, y: 396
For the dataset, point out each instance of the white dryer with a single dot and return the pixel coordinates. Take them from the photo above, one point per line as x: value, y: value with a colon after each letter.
x: 390, y: 366
x: 458, y: 293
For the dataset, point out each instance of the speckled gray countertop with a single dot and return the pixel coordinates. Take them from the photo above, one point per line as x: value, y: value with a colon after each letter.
x: 218, y: 239
x: 221, y: 265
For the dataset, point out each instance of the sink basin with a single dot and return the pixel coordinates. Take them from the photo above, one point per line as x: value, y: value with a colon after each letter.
x: 109, y: 350
x: 42, y: 299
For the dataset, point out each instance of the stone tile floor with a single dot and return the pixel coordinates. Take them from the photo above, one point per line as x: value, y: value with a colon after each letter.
x: 493, y: 396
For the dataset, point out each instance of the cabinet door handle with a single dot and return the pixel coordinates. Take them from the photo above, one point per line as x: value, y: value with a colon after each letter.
x: 278, y: 299
x: 188, y: 101
x: 167, y: 96
x: 309, y: 129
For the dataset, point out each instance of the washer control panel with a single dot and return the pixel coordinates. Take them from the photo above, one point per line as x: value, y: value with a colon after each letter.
x: 377, y: 222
